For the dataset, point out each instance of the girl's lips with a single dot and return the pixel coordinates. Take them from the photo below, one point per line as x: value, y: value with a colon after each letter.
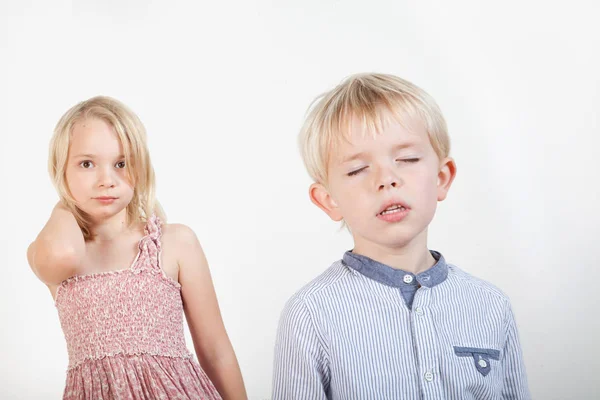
x: 105, y: 199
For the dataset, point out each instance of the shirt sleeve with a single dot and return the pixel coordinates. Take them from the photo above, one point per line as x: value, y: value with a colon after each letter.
x: 515, y: 379
x: 301, y: 364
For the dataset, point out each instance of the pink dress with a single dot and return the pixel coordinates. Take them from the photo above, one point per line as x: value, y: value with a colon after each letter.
x: 124, y: 333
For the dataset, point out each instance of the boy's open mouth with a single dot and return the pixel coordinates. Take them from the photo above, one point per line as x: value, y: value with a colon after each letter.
x: 393, y: 209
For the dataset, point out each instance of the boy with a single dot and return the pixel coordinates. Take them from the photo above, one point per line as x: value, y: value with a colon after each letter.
x: 392, y: 319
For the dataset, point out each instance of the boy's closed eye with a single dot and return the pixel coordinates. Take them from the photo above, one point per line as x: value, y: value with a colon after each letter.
x: 357, y: 171
x: 409, y: 160
x: 403, y: 160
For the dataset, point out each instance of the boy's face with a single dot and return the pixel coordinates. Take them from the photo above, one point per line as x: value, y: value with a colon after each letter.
x: 96, y: 172
x: 385, y: 187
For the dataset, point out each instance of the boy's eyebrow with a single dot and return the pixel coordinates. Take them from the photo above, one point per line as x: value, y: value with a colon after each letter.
x: 405, y: 145
x: 353, y: 157
x: 362, y: 154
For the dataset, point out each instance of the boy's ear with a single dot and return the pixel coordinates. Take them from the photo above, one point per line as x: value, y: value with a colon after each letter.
x: 322, y: 199
x: 446, y: 175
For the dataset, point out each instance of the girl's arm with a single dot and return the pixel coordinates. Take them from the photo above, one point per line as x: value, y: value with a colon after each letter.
x: 212, y: 345
x: 58, y: 250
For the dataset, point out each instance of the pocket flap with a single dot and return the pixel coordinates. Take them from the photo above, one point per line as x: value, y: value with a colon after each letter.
x: 481, y: 357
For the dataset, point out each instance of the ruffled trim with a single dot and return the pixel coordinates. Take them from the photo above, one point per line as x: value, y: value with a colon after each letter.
x: 149, y: 247
x: 139, y: 377
x: 80, y: 278
x: 187, y: 356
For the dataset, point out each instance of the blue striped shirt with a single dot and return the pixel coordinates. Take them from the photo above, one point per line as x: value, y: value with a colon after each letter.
x: 363, y: 330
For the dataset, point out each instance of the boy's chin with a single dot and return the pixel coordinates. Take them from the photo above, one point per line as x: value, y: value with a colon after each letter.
x: 390, y: 241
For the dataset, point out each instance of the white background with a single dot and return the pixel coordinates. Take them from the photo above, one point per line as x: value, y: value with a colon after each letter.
x: 222, y: 88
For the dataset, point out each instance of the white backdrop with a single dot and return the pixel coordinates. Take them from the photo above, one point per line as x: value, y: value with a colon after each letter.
x: 222, y: 88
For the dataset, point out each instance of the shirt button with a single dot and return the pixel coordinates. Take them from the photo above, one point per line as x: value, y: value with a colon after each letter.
x: 419, y: 311
x: 408, y: 278
x: 428, y: 376
x: 482, y: 363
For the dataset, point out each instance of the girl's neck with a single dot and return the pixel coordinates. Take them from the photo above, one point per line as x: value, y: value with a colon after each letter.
x: 106, y: 230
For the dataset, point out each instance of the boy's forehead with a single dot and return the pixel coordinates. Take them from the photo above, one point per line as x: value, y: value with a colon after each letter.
x: 359, y: 136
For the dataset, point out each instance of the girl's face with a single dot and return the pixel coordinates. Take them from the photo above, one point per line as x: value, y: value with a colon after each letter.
x: 96, y: 173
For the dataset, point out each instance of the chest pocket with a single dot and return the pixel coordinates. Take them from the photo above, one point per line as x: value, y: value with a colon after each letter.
x: 481, y: 357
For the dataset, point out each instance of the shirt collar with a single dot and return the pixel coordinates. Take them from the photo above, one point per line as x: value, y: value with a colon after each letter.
x: 396, y: 277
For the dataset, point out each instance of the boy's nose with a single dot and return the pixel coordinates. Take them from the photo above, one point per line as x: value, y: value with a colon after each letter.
x: 391, y: 183
x: 387, y: 179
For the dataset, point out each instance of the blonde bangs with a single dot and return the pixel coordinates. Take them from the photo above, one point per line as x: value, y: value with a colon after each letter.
x: 371, y: 101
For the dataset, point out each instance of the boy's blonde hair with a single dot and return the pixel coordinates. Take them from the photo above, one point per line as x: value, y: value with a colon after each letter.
x: 371, y: 99
x: 132, y: 135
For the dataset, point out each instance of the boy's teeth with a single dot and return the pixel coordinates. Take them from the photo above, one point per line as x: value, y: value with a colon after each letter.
x: 392, y: 209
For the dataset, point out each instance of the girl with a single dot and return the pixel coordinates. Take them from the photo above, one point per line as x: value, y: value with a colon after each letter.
x: 124, y: 326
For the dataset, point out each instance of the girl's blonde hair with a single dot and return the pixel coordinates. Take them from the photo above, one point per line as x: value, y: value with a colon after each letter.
x: 132, y: 135
x: 371, y: 99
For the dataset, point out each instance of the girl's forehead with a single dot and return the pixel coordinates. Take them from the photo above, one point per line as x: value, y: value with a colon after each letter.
x: 95, y: 136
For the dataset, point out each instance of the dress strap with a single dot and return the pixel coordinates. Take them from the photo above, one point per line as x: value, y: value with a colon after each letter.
x: 150, y: 246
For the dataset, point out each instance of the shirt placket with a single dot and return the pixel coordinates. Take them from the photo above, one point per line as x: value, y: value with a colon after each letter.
x: 426, y: 345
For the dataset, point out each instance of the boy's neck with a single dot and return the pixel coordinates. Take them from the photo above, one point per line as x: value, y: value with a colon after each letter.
x: 414, y: 257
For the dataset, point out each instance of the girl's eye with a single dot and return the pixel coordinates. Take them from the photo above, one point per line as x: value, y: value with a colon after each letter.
x: 86, y: 164
x: 356, y: 172
x: 120, y: 164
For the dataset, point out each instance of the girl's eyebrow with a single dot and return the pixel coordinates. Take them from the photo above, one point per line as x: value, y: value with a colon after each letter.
x: 93, y: 155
